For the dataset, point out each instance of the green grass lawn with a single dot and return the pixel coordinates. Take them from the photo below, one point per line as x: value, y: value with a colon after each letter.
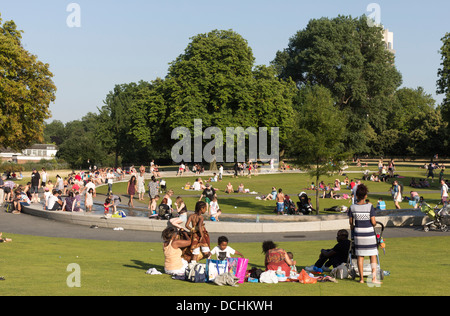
x: 291, y: 183
x: 38, y: 266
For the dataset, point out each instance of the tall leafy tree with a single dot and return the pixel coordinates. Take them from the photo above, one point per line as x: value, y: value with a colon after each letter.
x: 82, y: 144
x: 415, y: 127
x: 26, y: 90
x: 348, y: 57
x: 133, y: 122
x: 54, y: 132
x: 115, y: 122
x: 443, y: 83
x: 319, y: 133
x: 215, y: 80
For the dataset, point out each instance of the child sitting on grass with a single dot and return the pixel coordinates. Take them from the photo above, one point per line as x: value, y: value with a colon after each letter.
x: 223, y: 251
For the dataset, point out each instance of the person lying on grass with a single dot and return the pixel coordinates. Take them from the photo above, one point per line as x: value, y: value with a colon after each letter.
x: 4, y: 239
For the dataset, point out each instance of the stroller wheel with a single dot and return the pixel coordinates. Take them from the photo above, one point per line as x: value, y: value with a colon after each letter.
x: 444, y: 228
x: 426, y: 229
x: 352, y: 274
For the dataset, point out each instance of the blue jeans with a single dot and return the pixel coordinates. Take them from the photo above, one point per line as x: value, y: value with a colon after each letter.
x: 280, y: 207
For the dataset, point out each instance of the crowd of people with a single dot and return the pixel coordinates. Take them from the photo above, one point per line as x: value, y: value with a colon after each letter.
x: 191, y: 243
x: 62, y: 193
x: 186, y: 238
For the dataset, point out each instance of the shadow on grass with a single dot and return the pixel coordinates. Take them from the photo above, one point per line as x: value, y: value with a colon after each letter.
x: 254, y: 207
x: 141, y: 265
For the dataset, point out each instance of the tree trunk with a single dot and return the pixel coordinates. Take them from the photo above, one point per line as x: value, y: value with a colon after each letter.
x: 317, y: 195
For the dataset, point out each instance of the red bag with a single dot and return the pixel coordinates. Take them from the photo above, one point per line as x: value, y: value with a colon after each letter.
x: 304, y: 278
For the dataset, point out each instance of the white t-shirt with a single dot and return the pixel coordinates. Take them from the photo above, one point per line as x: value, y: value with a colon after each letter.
x: 47, y: 195
x: 51, y: 201
x: 90, y: 185
x: 223, y: 254
x: 214, y: 207
x: 444, y: 190
x: 196, y: 186
x: 110, y: 178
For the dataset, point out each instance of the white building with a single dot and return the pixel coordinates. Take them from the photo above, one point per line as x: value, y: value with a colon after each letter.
x: 388, y: 39
x: 34, y: 153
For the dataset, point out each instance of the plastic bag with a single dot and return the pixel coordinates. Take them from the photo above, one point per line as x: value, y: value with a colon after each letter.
x: 241, y: 269
x: 215, y: 268
x: 268, y: 276
x: 238, y: 267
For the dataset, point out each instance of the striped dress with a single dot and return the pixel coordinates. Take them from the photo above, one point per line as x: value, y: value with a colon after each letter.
x: 364, y: 233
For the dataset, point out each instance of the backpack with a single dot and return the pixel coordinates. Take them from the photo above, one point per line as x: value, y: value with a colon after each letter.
x: 195, y: 272
x: 333, y: 209
x: 341, y: 272
x: 255, y: 273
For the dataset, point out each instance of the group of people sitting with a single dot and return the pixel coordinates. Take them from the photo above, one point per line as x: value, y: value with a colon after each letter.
x: 71, y: 187
x: 190, y: 244
x: 73, y: 196
x: 14, y: 194
x: 199, y: 184
x: 422, y: 183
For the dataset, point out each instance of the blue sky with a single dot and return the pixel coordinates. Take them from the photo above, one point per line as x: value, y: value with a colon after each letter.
x: 127, y: 41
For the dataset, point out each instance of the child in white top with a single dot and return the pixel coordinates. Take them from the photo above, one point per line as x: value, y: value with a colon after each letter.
x: 47, y: 194
x: 223, y: 251
x: 214, y: 210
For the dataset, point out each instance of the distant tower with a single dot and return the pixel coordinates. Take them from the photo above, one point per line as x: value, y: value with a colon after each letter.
x: 388, y: 39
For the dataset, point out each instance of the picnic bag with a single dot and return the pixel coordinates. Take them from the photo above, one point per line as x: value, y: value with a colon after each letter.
x: 215, y: 268
x: 195, y: 272
x: 241, y: 269
x: 304, y: 278
x: 232, y: 265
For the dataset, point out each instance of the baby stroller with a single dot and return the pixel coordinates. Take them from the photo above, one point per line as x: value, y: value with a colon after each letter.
x: 436, y: 216
x: 352, y: 263
x: 303, y: 205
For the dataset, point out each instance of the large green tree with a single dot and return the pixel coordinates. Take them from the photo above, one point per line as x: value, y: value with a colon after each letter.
x: 133, y: 122
x: 81, y: 146
x: 349, y: 58
x: 414, y: 128
x: 443, y: 83
x: 215, y: 80
x: 26, y: 90
x: 319, y: 131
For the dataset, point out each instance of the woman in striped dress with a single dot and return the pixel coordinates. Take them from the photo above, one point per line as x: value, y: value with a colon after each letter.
x: 362, y: 223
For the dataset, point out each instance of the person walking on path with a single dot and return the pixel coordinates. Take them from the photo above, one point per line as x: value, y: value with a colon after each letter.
x: 131, y: 189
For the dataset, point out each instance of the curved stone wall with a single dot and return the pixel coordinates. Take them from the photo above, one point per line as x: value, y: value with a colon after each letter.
x: 323, y: 223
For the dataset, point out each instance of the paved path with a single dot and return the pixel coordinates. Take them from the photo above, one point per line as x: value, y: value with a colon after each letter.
x: 36, y: 226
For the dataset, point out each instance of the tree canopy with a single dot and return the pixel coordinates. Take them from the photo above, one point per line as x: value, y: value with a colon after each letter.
x: 347, y: 57
x: 26, y: 90
x: 318, y: 134
x: 443, y: 83
x: 216, y: 80
x: 333, y: 91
